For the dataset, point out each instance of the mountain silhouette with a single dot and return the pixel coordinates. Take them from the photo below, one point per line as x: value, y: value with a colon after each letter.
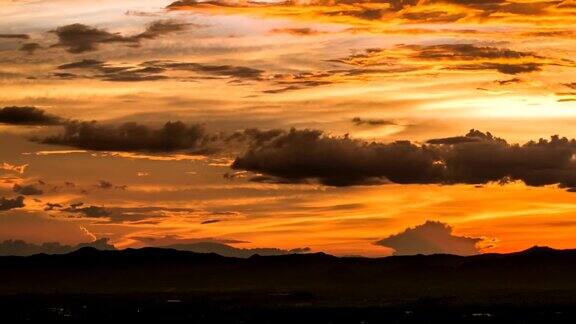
x: 152, y: 270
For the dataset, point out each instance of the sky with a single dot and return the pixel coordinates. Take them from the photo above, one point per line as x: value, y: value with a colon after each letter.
x: 350, y: 127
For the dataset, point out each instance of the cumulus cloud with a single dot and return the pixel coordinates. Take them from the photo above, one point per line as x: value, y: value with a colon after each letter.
x: 476, y: 158
x: 23, y: 248
x: 173, y: 136
x: 80, y: 38
x: 31, y: 116
x: 7, y: 203
x: 430, y: 238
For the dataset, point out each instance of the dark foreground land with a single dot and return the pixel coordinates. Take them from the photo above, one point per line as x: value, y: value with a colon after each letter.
x: 159, y: 285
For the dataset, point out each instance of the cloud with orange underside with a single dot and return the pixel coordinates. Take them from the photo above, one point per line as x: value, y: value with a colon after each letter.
x: 378, y: 13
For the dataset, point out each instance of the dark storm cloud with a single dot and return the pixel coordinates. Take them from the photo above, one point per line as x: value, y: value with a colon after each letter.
x: 14, y: 36
x: 476, y: 158
x: 27, y: 190
x: 31, y: 116
x: 131, y: 137
x: 22, y: 248
x: 430, y: 238
x: 7, y: 203
x: 80, y: 38
x: 30, y: 48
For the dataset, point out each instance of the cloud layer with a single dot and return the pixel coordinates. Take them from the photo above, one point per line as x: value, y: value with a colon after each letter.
x: 476, y: 158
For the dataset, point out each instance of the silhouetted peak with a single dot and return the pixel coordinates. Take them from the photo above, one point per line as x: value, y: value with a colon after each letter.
x: 538, y: 249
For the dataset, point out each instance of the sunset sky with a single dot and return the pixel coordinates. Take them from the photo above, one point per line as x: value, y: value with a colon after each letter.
x: 327, y: 124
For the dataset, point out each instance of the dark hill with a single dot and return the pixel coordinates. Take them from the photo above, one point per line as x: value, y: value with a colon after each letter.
x: 153, y: 270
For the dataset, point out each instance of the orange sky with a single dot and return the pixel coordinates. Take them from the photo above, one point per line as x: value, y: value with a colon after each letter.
x: 406, y: 70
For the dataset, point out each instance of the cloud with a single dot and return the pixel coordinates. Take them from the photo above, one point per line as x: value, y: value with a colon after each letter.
x: 118, y: 215
x: 465, y: 52
x: 301, y: 155
x: 130, y: 137
x: 80, y: 38
x: 430, y: 238
x: 455, y: 57
x: 88, y: 211
x: 14, y: 36
x: 297, y: 31
x: 230, y: 251
x: 155, y: 70
x: 381, y: 12
x: 476, y: 158
x: 509, y: 81
x: 30, y: 116
x: 14, y: 168
x: 106, y: 185
x: 30, y: 48
x: 505, y: 68
x: 357, y: 121
x: 7, y: 203
x: 22, y: 248
x: 27, y: 190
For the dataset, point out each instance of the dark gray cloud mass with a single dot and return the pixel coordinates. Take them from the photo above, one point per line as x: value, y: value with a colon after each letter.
x: 80, y: 38
x: 7, y: 203
x: 476, y: 158
x: 31, y: 116
x: 173, y: 136
x: 22, y: 248
x: 430, y: 238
